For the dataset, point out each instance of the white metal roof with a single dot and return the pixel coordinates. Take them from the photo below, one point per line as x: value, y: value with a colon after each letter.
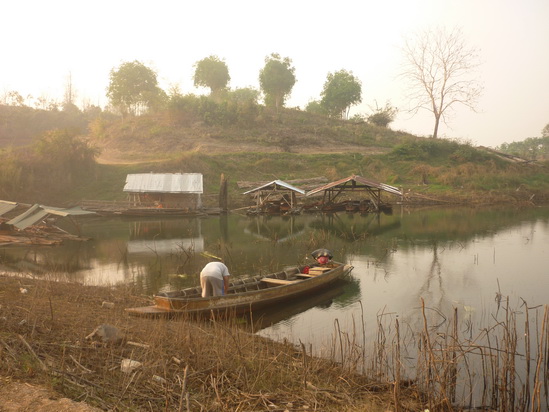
x: 6, y: 206
x: 164, y: 183
x: 274, y: 185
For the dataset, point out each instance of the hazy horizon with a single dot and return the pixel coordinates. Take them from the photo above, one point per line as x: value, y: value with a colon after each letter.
x: 49, y: 41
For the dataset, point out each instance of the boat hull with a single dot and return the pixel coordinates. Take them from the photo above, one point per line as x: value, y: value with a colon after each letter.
x: 272, y: 289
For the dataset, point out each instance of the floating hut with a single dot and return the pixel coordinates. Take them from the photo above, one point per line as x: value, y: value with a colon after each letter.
x: 370, y: 201
x: 276, y: 197
x: 165, y: 190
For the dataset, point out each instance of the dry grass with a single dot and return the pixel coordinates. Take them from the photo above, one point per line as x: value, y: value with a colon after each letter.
x: 186, y: 365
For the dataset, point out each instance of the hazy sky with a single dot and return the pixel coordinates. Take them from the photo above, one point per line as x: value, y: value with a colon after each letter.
x: 44, y: 41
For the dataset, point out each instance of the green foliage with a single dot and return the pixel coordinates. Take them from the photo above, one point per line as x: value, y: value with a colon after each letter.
x: 65, y: 153
x: 383, y: 116
x: 236, y: 108
x: 10, y: 174
x: 438, y: 151
x: 341, y: 90
x: 533, y: 148
x: 245, y: 96
x: 357, y: 117
x: 277, y: 79
x: 545, y: 131
x: 53, y: 166
x: 315, y: 107
x: 217, y: 114
x: 213, y: 73
x: 133, y: 89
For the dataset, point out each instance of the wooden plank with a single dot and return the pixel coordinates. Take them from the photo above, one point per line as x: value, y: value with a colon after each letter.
x: 306, y: 275
x: 148, y: 310
x: 278, y: 281
x: 318, y: 270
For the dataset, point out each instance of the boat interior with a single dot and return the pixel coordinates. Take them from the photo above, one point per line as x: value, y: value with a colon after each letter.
x: 260, y: 282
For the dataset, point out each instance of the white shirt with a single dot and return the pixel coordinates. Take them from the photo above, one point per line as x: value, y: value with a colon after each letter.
x: 216, y: 270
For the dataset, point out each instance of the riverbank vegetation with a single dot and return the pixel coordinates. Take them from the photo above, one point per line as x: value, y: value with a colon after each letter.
x: 213, y: 365
x: 77, y: 341
x: 201, y: 135
x: 182, y: 365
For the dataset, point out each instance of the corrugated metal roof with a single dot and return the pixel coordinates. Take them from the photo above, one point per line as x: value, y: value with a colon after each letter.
x: 6, y: 206
x: 74, y: 211
x: 164, y: 183
x: 358, y: 179
x: 23, y: 223
x: 38, y: 212
x: 274, y: 185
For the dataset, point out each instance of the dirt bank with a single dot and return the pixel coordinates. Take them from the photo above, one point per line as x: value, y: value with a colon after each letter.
x: 49, y: 360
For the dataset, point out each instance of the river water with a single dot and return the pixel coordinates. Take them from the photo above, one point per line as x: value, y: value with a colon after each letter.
x: 465, y: 262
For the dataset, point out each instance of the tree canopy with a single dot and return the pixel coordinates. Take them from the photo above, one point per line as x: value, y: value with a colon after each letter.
x: 133, y: 88
x: 439, y: 67
x: 213, y: 73
x: 277, y: 79
x: 341, y: 90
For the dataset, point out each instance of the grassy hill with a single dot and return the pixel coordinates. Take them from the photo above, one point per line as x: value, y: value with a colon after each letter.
x: 288, y: 145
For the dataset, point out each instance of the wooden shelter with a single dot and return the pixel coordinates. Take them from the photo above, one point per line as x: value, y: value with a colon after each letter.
x: 276, y: 197
x: 165, y: 190
x: 372, y: 202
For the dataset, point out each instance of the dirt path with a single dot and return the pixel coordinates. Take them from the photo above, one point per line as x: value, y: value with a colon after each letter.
x: 112, y: 156
x: 19, y: 397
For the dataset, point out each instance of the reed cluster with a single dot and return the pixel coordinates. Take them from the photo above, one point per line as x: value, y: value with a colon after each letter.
x: 503, y: 367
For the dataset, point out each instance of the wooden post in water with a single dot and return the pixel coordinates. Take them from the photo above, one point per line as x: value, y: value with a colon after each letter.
x: 223, y: 195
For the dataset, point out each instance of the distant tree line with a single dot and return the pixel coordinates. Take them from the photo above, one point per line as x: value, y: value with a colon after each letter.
x: 438, y: 69
x: 532, y: 148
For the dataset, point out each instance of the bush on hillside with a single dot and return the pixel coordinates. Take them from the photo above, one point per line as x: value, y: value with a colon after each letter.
x: 439, y: 150
x: 52, y: 166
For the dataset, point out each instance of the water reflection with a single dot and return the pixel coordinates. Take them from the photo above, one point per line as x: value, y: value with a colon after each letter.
x: 340, y: 294
x: 449, y: 257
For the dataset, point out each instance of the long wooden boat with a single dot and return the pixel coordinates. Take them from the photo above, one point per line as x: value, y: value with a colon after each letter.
x: 248, y: 294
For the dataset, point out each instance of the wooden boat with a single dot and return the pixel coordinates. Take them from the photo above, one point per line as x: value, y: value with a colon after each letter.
x: 248, y: 294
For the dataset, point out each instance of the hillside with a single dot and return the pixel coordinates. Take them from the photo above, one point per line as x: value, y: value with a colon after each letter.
x: 261, y: 146
x: 161, y: 136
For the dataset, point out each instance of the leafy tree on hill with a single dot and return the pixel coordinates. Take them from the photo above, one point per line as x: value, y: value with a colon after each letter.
x: 277, y: 79
x: 213, y: 73
x: 545, y: 131
x: 341, y: 90
x: 438, y: 68
x: 133, y: 89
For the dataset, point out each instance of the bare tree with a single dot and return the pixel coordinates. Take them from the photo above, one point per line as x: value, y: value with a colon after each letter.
x: 439, y: 68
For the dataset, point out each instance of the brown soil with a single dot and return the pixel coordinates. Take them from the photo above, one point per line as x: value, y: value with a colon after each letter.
x: 16, y: 396
x: 49, y: 361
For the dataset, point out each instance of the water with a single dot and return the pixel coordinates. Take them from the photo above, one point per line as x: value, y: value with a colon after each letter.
x: 473, y: 261
x: 449, y: 257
